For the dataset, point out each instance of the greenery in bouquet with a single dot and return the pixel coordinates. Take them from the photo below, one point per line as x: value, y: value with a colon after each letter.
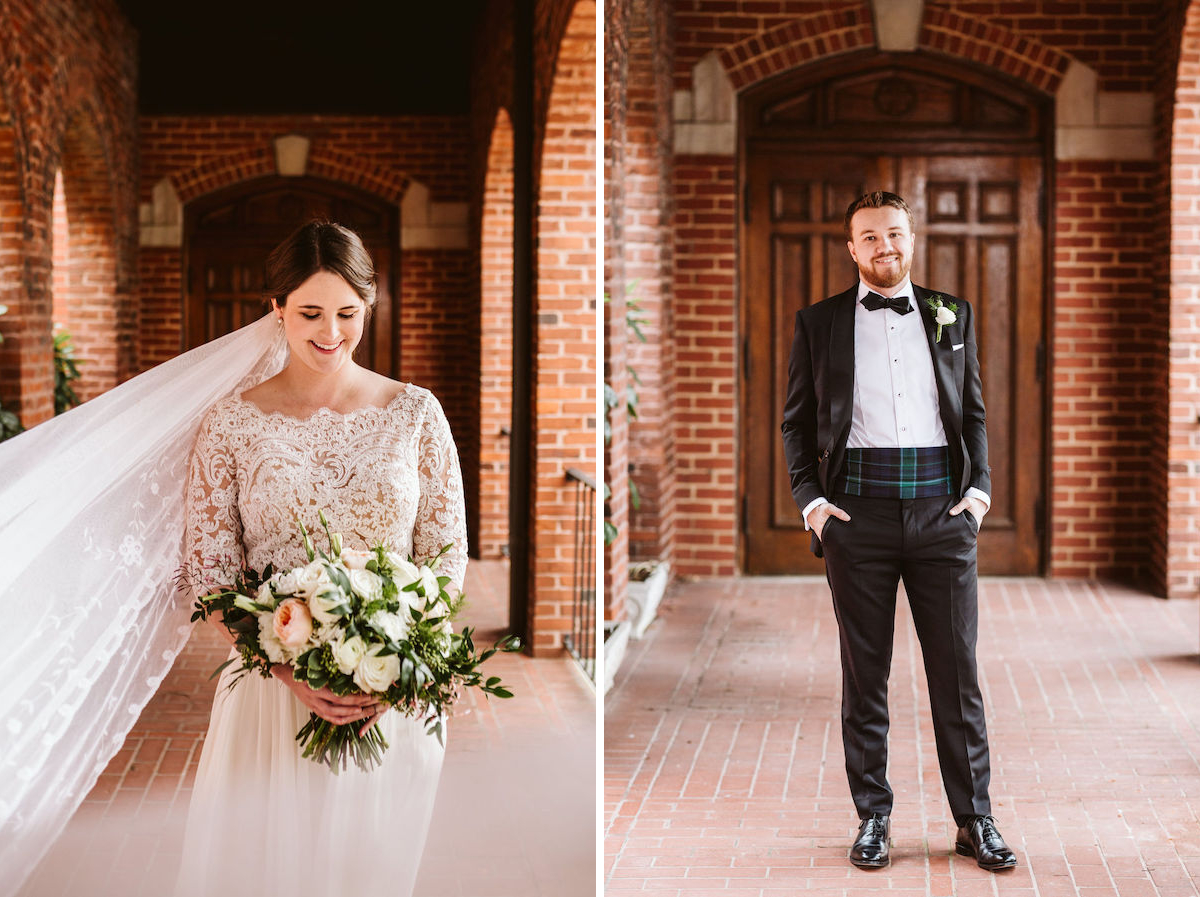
x: 357, y: 622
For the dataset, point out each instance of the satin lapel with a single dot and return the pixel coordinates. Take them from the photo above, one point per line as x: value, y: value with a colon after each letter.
x: 947, y: 364
x: 841, y: 365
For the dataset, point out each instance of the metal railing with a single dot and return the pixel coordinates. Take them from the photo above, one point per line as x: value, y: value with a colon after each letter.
x: 581, y: 641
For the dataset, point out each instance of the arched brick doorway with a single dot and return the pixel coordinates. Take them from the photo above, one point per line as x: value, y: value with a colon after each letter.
x: 496, y: 340
x: 228, y: 234
x: 969, y: 151
x: 84, y: 256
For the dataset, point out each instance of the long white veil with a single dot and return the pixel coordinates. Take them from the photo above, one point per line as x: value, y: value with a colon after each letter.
x: 91, y: 539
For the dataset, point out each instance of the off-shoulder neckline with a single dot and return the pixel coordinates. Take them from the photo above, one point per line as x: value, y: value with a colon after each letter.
x: 325, y: 411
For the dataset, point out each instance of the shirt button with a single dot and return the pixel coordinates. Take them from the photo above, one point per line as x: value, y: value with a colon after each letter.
x: 902, y: 429
x: 895, y: 361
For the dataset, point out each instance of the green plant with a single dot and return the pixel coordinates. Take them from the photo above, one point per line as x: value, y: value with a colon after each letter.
x: 633, y: 323
x: 10, y: 424
x: 66, y: 371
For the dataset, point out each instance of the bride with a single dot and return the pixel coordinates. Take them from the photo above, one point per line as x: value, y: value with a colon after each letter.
x: 377, y: 457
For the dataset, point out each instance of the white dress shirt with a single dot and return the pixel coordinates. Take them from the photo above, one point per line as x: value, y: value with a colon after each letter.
x: 895, y: 393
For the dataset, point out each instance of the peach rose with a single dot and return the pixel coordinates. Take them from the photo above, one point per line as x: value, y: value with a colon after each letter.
x: 293, y: 623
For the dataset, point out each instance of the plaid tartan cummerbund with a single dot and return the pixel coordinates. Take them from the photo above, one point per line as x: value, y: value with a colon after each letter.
x: 896, y: 472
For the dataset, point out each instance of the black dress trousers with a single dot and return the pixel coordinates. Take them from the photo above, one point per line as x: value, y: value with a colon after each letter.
x: 915, y: 541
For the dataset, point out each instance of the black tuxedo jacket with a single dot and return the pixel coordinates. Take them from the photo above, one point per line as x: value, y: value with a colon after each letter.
x: 820, y: 395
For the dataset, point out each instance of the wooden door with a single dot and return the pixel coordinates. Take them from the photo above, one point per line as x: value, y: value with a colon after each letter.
x: 230, y: 234
x: 979, y: 236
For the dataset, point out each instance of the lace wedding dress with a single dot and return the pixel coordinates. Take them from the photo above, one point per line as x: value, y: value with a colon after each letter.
x: 263, y: 820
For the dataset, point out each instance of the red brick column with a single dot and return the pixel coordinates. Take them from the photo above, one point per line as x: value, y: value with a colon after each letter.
x: 12, y: 226
x: 616, y: 377
x: 647, y: 250
x: 564, y: 387
x: 1183, y: 440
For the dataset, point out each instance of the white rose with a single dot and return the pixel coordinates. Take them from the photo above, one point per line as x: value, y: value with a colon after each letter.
x: 347, y: 654
x: 376, y: 673
x: 326, y: 602
x: 355, y: 559
x: 405, y: 570
x: 366, y: 584
x: 429, y: 582
x: 284, y: 583
x: 392, y: 626
x: 310, y: 578
x: 265, y: 596
x: 270, y: 641
x: 944, y: 316
x: 410, y: 600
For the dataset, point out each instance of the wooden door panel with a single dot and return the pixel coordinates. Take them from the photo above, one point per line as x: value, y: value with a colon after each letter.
x: 976, y: 243
x: 797, y: 255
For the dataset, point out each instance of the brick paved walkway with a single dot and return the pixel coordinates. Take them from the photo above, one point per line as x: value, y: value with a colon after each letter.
x: 724, y: 772
x: 516, y: 804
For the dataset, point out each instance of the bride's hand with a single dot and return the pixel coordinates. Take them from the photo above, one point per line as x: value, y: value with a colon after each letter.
x: 337, y: 709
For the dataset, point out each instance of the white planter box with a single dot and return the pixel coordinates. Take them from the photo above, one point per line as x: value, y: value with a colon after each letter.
x: 644, y: 598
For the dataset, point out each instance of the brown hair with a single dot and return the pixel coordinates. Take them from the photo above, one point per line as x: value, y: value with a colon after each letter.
x: 878, y: 200
x: 320, y: 246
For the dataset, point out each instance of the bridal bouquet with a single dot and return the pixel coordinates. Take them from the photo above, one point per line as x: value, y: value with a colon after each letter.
x: 357, y: 622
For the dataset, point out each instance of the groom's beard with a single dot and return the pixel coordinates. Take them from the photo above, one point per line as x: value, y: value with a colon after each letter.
x: 886, y: 276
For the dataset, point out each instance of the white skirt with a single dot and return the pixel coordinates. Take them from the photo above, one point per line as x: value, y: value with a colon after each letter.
x: 264, y: 820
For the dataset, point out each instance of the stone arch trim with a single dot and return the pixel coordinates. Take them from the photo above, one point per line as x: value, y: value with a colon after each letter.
x: 233, y: 168
x: 798, y: 42
x: 811, y: 38
x: 224, y: 171
x: 352, y: 170
x: 1031, y: 61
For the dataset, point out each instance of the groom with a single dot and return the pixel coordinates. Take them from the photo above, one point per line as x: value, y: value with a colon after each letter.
x: 886, y: 445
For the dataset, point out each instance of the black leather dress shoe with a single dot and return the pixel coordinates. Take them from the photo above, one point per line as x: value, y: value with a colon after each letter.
x: 870, y: 848
x: 980, y: 839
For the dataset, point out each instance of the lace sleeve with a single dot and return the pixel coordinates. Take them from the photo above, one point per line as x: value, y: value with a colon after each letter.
x: 441, y: 515
x: 213, y: 534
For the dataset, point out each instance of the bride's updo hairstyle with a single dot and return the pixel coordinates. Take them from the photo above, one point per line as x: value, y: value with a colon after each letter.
x: 320, y: 246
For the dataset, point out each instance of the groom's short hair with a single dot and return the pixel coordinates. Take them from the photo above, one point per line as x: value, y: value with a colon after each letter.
x: 877, y: 200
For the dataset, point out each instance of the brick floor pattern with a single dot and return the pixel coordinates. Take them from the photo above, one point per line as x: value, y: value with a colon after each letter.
x: 724, y: 772
x: 538, y: 749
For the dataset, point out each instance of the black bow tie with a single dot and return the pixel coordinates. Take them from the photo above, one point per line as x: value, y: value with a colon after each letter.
x: 898, y: 304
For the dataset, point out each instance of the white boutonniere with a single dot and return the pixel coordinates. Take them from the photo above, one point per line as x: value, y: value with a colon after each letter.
x: 943, y: 313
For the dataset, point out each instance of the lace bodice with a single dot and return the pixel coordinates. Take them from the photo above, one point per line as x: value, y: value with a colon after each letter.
x: 382, y: 475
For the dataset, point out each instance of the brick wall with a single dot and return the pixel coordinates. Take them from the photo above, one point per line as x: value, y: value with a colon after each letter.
x: 705, y: 293
x: 1103, y: 362
x: 565, y: 428
x: 67, y: 68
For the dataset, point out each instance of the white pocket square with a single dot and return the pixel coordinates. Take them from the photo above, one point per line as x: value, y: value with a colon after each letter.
x: 957, y: 347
